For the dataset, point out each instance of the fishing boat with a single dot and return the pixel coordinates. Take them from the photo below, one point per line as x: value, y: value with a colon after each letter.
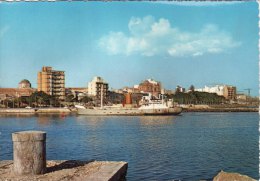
x: 149, y: 106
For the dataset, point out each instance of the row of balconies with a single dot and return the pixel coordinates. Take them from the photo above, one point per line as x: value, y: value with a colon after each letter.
x: 58, y: 79
x: 57, y: 85
x: 58, y: 82
x: 59, y: 94
x: 57, y: 89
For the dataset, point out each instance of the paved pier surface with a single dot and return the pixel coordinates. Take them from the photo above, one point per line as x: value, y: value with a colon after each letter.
x: 70, y: 170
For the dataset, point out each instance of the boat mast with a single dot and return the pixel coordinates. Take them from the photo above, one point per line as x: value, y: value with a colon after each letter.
x: 162, y: 98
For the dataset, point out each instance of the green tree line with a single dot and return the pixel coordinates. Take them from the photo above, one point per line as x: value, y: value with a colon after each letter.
x: 36, y: 99
x: 194, y: 97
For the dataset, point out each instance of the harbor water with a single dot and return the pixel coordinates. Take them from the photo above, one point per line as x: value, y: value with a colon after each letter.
x: 193, y: 146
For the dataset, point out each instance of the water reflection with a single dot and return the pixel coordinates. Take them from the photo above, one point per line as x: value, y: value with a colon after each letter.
x: 156, y: 120
x: 17, y: 115
x: 90, y: 120
x: 193, y: 146
x: 46, y: 119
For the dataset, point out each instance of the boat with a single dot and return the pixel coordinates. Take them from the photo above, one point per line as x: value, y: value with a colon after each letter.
x: 149, y: 106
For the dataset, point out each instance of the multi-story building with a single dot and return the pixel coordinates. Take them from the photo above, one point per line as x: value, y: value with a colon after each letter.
x: 131, y: 90
x: 218, y: 89
x: 179, y: 89
x: 52, y: 82
x: 96, y: 86
x: 150, y: 86
x: 77, y: 92
x: 229, y: 92
x: 241, y: 97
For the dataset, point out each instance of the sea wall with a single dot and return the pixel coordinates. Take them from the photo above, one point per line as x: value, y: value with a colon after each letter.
x: 53, y: 110
x: 34, y: 110
x: 16, y: 110
x: 220, y: 109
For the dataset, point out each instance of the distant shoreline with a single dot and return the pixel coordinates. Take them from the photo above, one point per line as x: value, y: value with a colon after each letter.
x: 68, y: 111
x: 221, y: 110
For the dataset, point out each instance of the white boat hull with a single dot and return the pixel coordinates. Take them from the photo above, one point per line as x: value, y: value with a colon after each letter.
x: 129, y: 112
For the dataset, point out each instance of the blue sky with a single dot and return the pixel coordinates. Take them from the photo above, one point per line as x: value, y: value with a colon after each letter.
x: 126, y: 42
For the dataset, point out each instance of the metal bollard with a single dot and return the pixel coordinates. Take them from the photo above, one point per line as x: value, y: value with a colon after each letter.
x: 29, y: 152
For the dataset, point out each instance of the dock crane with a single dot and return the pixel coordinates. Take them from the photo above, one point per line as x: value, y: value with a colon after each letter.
x: 248, y: 91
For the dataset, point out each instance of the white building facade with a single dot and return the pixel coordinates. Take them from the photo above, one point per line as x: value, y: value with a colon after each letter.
x: 228, y: 91
x: 218, y: 89
x: 96, y: 86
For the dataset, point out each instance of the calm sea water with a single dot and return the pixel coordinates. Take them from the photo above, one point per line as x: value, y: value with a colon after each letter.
x: 192, y: 146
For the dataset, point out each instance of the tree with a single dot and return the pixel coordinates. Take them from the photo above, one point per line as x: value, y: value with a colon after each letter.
x: 69, y: 98
x: 197, y: 97
x: 86, y: 99
x: 43, y: 99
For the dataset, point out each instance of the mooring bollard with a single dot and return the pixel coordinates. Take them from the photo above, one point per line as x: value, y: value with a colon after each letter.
x: 29, y: 152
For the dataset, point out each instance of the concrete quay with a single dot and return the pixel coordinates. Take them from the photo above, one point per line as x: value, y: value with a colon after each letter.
x: 16, y: 110
x: 225, y: 176
x: 69, y: 170
x: 52, y: 110
x: 30, y: 164
x: 220, y: 110
x: 33, y: 110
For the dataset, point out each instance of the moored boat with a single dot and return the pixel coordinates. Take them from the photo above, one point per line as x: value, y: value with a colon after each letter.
x: 148, y: 107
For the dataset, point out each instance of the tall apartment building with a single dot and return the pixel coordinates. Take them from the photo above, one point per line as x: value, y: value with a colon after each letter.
x: 96, y: 85
x: 52, y: 82
x: 230, y: 92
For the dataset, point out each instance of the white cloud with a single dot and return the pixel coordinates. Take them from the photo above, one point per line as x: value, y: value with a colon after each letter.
x: 3, y: 30
x: 198, y: 3
x: 149, y: 37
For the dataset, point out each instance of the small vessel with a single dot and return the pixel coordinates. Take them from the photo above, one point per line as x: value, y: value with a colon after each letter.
x: 148, y: 106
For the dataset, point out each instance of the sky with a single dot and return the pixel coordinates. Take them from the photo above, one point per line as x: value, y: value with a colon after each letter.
x: 176, y: 43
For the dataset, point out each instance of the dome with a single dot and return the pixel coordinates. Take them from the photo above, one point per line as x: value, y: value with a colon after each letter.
x: 25, y: 81
x: 24, y: 84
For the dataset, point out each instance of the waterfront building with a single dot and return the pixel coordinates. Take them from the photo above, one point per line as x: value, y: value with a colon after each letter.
x: 218, y: 89
x: 24, y: 90
x: 228, y: 91
x: 52, y: 82
x: 118, y: 91
x: 96, y: 86
x: 24, y: 84
x: 150, y: 86
x: 179, y: 89
x: 128, y: 98
x: 78, y: 92
x: 131, y: 90
x: 169, y: 92
x: 6, y: 93
x: 241, y: 98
